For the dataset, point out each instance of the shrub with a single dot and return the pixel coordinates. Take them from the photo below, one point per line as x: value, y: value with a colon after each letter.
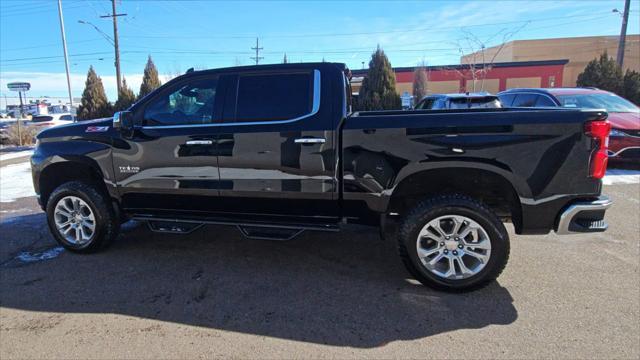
x: 27, y: 133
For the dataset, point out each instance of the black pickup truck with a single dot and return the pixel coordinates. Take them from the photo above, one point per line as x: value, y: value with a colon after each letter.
x: 275, y: 150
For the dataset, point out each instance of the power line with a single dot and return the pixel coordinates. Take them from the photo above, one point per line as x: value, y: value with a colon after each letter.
x: 28, y: 11
x: 429, y: 29
x: 48, y: 45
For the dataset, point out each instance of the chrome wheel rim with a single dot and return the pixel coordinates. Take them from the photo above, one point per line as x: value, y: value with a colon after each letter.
x: 453, y: 247
x: 74, y: 220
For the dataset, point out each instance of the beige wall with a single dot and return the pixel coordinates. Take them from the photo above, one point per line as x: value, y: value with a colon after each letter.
x: 579, y: 51
x: 402, y: 87
x: 523, y: 82
x: 489, y: 85
x: 440, y: 87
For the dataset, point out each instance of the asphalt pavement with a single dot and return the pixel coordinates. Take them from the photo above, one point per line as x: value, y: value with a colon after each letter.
x: 214, y: 293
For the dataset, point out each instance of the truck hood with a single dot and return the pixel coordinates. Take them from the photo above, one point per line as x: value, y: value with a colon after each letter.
x: 624, y: 120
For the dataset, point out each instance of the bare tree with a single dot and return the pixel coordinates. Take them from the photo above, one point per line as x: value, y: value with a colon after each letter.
x: 420, y: 79
x: 473, y: 50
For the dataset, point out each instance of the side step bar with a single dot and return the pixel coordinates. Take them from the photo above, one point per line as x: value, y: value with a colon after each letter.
x: 251, y: 230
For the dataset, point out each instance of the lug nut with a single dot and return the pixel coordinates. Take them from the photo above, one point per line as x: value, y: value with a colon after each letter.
x: 441, y: 244
x: 455, y: 252
x: 447, y: 237
x: 460, y: 246
x: 446, y: 251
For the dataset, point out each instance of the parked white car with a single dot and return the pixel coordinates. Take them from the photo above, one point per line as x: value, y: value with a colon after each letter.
x: 46, y: 121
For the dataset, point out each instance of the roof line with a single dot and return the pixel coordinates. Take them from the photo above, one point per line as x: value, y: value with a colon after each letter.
x: 466, y: 66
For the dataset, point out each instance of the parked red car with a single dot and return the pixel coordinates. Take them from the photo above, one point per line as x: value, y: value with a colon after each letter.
x: 624, y: 139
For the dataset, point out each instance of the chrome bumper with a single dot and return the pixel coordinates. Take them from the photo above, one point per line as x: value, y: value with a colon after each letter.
x: 584, y: 216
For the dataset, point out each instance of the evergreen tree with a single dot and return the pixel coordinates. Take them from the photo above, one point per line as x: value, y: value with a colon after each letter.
x: 603, y: 73
x: 126, y: 97
x: 378, y: 90
x: 150, y: 80
x: 632, y: 86
x: 419, y: 83
x: 94, y: 103
x: 285, y: 61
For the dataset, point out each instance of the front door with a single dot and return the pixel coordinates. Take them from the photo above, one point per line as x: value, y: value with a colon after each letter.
x: 170, y: 161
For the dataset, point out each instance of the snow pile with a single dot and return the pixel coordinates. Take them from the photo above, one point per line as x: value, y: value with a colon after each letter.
x: 15, y: 155
x: 29, y: 257
x: 619, y: 176
x: 16, y: 182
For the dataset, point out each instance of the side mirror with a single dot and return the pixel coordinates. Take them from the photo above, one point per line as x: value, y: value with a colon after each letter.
x: 123, y: 120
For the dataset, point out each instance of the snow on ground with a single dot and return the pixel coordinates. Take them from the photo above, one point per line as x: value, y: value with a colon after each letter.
x: 15, y: 155
x: 620, y: 176
x: 15, y: 182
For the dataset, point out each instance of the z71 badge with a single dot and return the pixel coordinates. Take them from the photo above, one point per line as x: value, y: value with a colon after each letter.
x: 92, y: 129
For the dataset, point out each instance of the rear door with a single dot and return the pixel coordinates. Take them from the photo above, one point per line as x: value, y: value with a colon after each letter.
x: 277, y: 146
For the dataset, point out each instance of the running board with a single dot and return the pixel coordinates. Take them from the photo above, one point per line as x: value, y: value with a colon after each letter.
x: 251, y: 230
x: 173, y: 227
x: 269, y: 233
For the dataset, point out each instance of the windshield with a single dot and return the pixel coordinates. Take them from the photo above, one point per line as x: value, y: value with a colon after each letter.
x: 609, y: 102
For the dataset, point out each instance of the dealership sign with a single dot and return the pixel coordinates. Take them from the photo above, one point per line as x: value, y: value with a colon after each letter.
x: 19, y: 86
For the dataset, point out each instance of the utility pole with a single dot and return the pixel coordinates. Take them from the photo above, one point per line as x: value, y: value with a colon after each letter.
x: 257, y: 58
x: 623, y: 33
x: 66, y: 58
x: 114, y: 15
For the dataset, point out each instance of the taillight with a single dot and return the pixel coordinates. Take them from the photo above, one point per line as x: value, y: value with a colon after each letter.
x: 599, y: 131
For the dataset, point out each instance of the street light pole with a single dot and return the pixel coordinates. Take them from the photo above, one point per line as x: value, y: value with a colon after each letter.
x: 66, y: 58
x: 623, y: 33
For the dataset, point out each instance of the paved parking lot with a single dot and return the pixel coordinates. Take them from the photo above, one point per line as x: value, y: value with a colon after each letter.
x: 216, y: 294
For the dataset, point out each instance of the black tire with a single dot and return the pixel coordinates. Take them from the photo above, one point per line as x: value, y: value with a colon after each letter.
x: 107, y: 224
x: 432, y: 208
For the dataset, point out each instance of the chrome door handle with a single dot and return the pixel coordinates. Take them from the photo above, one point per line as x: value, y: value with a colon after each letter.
x: 199, y: 142
x: 310, y: 141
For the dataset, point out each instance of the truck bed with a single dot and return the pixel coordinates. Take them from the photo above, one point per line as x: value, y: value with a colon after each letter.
x: 543, y: 153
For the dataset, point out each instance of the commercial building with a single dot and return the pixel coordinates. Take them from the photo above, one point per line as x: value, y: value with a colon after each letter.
x: 578, y: 51
x: 519, y: 63
x: 484, y: 77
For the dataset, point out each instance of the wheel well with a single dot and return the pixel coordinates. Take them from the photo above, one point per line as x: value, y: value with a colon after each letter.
x: 490, y: 188
x: 57, y: 174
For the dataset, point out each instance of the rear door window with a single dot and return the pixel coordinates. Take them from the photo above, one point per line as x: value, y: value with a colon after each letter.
x: 525, y: 100
x: 544, y: 101
x: 273, y: 97
x: 507, y: 99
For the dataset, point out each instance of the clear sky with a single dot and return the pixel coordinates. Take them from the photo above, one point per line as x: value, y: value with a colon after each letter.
x: 208, y: 34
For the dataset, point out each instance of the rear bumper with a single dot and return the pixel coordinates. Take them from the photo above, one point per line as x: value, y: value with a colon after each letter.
x: 584, y: 217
